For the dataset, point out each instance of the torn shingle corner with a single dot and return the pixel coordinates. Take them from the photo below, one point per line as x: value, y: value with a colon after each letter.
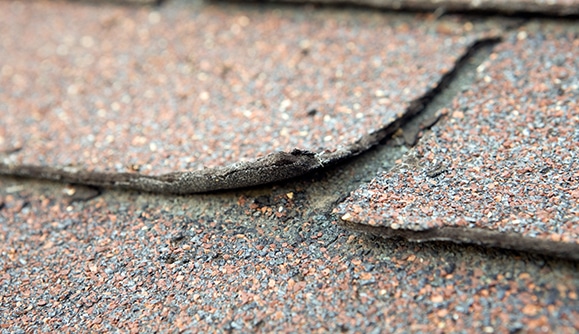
x: 508, y: 163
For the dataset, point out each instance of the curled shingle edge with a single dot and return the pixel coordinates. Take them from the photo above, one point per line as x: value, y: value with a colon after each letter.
x: 477, y: 236
x: 485, y: 6
x: 273, y: 167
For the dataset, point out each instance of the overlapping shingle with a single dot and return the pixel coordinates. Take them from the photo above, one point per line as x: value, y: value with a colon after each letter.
x: 115, y: 95
x: 502, y: 169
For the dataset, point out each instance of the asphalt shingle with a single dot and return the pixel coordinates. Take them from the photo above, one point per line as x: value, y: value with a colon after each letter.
x: 144, y: 262
x: 504, y: 160
x: 272, y: 259
x: 114, y: 95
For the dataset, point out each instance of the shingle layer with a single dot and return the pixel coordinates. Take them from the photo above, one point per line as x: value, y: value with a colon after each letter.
x: 106, y: 89
x: 504, y: 160
x: 150, y: 263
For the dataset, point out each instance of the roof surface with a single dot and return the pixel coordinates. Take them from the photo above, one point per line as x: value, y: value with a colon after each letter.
x: 277, y: 257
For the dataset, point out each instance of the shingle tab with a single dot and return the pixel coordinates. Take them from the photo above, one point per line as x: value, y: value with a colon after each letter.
x: 504, y: 160
x: 107, y: 89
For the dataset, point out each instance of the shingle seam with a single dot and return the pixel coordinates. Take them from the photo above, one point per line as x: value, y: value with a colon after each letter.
x: 414, y: 109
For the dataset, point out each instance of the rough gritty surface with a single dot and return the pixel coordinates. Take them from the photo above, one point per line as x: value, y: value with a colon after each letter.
x: 255, y: 261
x: 188, y: 86
x: 505, y: 160
x: 549, y: 7
x: 271, y: 259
